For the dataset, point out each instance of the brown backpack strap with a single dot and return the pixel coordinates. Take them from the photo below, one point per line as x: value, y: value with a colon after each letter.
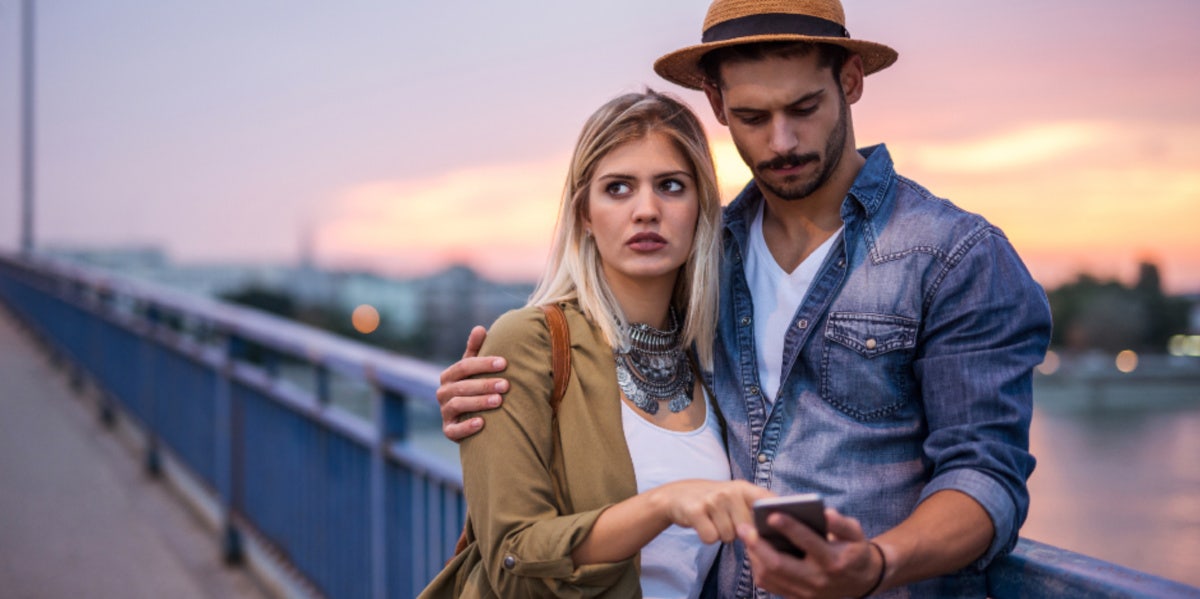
x: 560, y: 352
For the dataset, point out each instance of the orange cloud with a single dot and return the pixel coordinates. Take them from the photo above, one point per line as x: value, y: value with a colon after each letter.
x: 1028, y: 147
x: 497, y: 218
x: 1071, y: 195
x: 732, y: 172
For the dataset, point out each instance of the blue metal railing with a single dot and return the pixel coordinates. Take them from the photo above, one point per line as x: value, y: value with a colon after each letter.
x: 244, y: 402
x: 303, y: 437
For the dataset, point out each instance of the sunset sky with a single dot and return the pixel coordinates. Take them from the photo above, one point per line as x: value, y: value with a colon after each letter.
x: 403, y: 136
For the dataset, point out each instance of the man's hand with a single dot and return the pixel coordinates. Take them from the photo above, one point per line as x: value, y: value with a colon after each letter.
x: 844, y: 565
x: 459, y: 394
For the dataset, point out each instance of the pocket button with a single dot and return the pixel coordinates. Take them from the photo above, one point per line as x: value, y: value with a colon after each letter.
x: 871, y: 343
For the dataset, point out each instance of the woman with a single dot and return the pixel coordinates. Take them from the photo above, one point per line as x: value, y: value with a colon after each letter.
x: 633, y: 495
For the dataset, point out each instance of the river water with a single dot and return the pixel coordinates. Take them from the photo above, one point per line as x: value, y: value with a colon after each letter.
x: 1121, y: 484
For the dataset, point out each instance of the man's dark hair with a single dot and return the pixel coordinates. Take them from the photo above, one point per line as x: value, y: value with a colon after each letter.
x: 828, y: 56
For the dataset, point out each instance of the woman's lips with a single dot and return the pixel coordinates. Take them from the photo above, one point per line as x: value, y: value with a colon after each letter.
x: 646, y: 242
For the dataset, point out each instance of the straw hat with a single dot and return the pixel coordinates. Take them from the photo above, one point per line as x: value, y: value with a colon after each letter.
x: 735, y: 22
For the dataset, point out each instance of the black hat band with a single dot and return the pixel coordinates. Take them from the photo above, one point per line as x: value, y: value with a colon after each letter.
x: 773, y: 24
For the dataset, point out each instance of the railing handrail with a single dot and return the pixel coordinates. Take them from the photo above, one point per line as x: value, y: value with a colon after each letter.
x: 393, y: 372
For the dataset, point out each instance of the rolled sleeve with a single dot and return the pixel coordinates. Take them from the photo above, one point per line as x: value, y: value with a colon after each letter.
x: 988, y: 326
x: 544, y: 552
x: 994, y: 499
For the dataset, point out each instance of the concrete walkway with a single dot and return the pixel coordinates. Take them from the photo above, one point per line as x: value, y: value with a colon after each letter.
x: 78, y: 515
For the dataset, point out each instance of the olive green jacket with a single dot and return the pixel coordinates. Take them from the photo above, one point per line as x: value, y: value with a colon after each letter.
x: 531, y: 501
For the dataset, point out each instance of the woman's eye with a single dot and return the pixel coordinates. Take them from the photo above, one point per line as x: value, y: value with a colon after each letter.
x: 671, y: 186
x: 617, y: 188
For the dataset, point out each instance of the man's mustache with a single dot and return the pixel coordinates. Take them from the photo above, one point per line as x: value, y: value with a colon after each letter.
x: 788, y: 161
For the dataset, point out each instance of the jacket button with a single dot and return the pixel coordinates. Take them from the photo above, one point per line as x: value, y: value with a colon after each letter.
x: 745, y: 321
x: 871, y: 343
x: 802, y: 324
x: 509, y: 562
x: 762, y: 458
x: 753, y: 390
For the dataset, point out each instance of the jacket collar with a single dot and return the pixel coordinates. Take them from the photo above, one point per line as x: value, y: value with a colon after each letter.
x: 868, y: 193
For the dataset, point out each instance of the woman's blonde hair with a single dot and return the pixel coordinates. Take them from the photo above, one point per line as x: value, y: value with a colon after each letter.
x: 574, y: 272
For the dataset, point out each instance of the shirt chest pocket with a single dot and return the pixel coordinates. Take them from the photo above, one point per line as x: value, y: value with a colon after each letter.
x: 866, y: 366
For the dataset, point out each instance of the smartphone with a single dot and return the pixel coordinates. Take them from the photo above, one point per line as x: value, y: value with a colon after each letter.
x: 808, y: 508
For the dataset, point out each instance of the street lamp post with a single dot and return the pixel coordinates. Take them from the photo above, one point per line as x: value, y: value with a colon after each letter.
x: 27, y: 133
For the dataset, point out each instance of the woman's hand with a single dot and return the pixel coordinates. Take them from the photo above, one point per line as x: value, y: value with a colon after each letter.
x: 713, y: 509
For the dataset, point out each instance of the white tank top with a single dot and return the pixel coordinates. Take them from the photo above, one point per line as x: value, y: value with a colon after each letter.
x: 675, y: 563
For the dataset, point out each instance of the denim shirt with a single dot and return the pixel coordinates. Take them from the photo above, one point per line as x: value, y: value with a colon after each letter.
x: 907, y: 370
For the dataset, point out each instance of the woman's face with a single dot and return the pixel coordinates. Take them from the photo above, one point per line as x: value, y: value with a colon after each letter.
x: 642, y: 211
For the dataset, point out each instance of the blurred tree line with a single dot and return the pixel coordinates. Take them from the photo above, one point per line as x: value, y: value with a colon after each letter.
x: 1093, y: 314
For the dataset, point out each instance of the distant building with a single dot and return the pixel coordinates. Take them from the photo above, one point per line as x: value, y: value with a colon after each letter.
x: 457, y: 299
x: 440, y: 308
x: 1193, y: 313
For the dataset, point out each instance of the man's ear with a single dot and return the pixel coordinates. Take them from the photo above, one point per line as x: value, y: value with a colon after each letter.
x: 716, y: 101
x: 852, y: 78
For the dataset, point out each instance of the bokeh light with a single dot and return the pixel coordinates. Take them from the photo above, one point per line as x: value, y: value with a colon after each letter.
x: 1050, y: 364
x: 1127, y: 361
x: 365, y: 319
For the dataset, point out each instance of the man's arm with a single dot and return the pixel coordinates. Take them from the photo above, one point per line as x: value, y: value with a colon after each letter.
x: 946, y: 532
x: 461, y: 394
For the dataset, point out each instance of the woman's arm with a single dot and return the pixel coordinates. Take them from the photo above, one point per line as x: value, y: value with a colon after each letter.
x: 712, y: 508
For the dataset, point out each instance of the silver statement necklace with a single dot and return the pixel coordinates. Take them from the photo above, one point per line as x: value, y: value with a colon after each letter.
x: 654, y: 368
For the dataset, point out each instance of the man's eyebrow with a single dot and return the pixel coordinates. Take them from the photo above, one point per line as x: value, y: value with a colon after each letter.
x: 806, y: 98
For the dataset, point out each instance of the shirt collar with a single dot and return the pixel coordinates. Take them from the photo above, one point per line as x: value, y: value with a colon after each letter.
x: 869, y: 191
x: 871, y: 186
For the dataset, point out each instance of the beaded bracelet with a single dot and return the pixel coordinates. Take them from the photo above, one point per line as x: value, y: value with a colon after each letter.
x: 882, y: 571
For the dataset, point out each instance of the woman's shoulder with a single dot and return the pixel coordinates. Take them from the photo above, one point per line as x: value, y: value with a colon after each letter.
x: 520, y: 329
x: 525, y: 330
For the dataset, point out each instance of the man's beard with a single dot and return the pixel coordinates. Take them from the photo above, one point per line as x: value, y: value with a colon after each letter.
x: 802, y: 189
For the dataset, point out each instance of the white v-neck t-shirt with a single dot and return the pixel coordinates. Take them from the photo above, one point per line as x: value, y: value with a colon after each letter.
x: 776, y: 296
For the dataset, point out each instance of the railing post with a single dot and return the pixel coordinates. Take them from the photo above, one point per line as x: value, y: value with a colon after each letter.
x: 231, y: 542
x: 148, y: 390
x: 389, y: 413
x: 321, y: 373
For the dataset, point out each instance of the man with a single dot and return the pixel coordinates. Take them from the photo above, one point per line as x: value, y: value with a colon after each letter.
x: 875, y: 344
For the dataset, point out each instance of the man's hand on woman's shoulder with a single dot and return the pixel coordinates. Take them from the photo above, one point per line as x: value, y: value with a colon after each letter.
x: 459, y: 394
